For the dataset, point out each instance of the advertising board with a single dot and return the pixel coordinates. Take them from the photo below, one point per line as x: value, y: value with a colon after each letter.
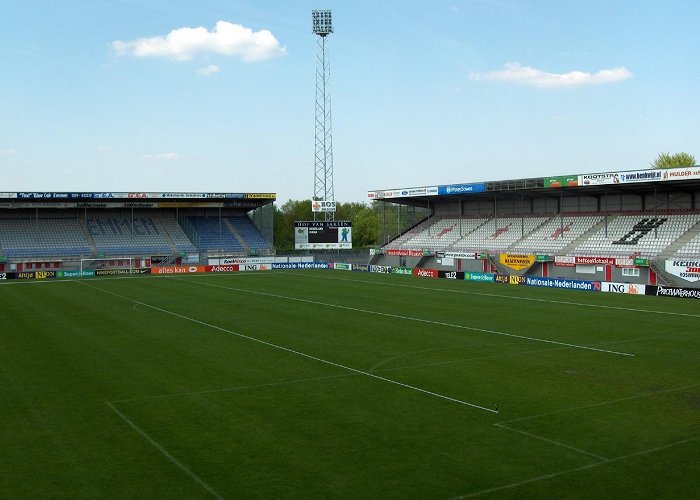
x: 484, y: 277
x: 309, y: 235
x: 453, y: 189
x: 677, y: 292
x: 629, y: 288
x: 517, y: 261
x: 301, y: 265
x: 402, y: 270
x: 688, y: 270
x: 561, y: 181
x: 323, y: 206
x: 229, y: 268
x: 75, y: 274
x: 404, y: 253
x: 451, y: 275
x: 591, y: 286
x: 425, y: 273
x: 679, y: 174
x: 599, y: 179
x: 122, y: 272
x: 340, y: 266
x: 379, y: 269
x: 641, y: 176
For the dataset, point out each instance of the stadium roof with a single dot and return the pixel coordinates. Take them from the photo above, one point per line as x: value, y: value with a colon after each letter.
x: 594, y: 184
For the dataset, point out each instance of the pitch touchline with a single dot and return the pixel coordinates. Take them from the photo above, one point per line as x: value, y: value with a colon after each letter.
x: 164, y: 452
x: 532, y: 299
x: 407, y: 318
x: 287, y: 349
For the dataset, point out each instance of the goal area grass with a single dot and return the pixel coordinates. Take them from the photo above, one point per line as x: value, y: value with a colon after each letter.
x: 330, y: 384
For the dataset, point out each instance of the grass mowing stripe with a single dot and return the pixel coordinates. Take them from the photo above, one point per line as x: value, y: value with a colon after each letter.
x: 551, y: 441
x: 577, y: 469
x: 164, y: 452
x: 407, y: 318
x: 287, y: 349
x: 496, y: 295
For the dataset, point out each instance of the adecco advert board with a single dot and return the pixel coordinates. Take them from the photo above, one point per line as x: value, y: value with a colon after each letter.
x: 632, y: 289
x: 688, y: 270
x: 592, y: 286
x: 678, y: 292
x: 426, y: 273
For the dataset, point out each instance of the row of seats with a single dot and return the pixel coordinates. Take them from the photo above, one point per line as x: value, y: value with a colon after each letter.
x: 114, y: 236
x: 598, y: 235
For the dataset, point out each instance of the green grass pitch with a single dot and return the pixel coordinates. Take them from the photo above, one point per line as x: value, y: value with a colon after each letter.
x: 320, y: 384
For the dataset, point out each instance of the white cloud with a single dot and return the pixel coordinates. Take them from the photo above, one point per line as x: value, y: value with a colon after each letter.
x: 185, y: 43
x: 7, y: 151
x: 526, y: 75
x: 209, y: 70
x: 160, y: 156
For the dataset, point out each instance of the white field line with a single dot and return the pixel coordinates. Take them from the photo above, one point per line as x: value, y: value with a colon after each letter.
x: 292, y: 351
x: 406, y: 318
x: 500, y: 296
x: 602, y: 403
x: 576, y: 469
x: 551, y: 441
x: 232, y: 389
x: 165, y: 452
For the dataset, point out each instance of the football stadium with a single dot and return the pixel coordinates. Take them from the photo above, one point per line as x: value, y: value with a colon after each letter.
x: 155, y: 344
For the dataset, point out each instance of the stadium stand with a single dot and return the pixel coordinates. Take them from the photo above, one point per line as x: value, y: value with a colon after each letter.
x: 122, y: 236
x: 580, y: 234
x: 213, y: 234
x: 249, y: 233
x: 43, y: 238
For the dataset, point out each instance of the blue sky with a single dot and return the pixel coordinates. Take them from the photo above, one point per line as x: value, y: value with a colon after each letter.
x: 218, y: 95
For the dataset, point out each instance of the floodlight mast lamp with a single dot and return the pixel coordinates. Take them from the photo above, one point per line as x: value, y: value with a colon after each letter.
x: 323, y: 168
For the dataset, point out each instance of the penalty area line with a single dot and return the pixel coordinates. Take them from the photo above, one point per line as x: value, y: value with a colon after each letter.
x: 292, y: 351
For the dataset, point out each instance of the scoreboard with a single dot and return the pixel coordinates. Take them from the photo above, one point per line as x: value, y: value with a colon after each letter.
x: 330, y: 234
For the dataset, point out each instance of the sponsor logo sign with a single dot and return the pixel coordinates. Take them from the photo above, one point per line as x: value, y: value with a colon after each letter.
x: 593, y: 261
x: 301, y: 265
x: 404, y: 253
x: 342, y: 266
x: 561, y: 181
x: 451, y: 275
x: 461, y: 189
x: 688, y: 270
x: 3, y: 276
x: 75, y: 274
x: 678, y: 292
x: 632, y: 289
x: 121, y: 272
x: 178, y: 269
x: 241, y: 260
x: 677, y: 174
x: 379, y: 269
x: 260, y: 196
x: 323, y: 206
x: 517, y: 261
x: 461, y: 255
x: 599, y: 179
x: 231, y: 268
x: 501, y: 278
x: 592, y: 286
x: 479, y: 277
x: 403, y: 192
x: 564, y: 261
x: 641, y: 176
x: 254, y: 267
x: 402, y: 270
x: 425, y: 273
x: 517, y: 280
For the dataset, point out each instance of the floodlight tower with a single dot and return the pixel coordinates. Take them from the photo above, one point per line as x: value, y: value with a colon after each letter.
x: 323, y: 171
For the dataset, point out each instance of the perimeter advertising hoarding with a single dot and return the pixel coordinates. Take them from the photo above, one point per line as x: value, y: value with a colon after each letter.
x: 402, y: 270
x: 461, y: 255
x: 7, y: 276
x: 677, y: 292
x: 688, y: 270
x: 301, y: 265
x: 629, y: 288
x: 35, y: 275
x: 451, y: 275
x: 122, y: 272
x: 406, y: 253
x: 379, y: 269
x: 517, y: 261
x: 310, y: 235
x: 75, y: 274
x: 591, y: 286
x: 426, y: 273
x: 679, y: 174
x: 403, y: 192
x: 486, y: 277
x: 341, y: 266
x: 179, y: 269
